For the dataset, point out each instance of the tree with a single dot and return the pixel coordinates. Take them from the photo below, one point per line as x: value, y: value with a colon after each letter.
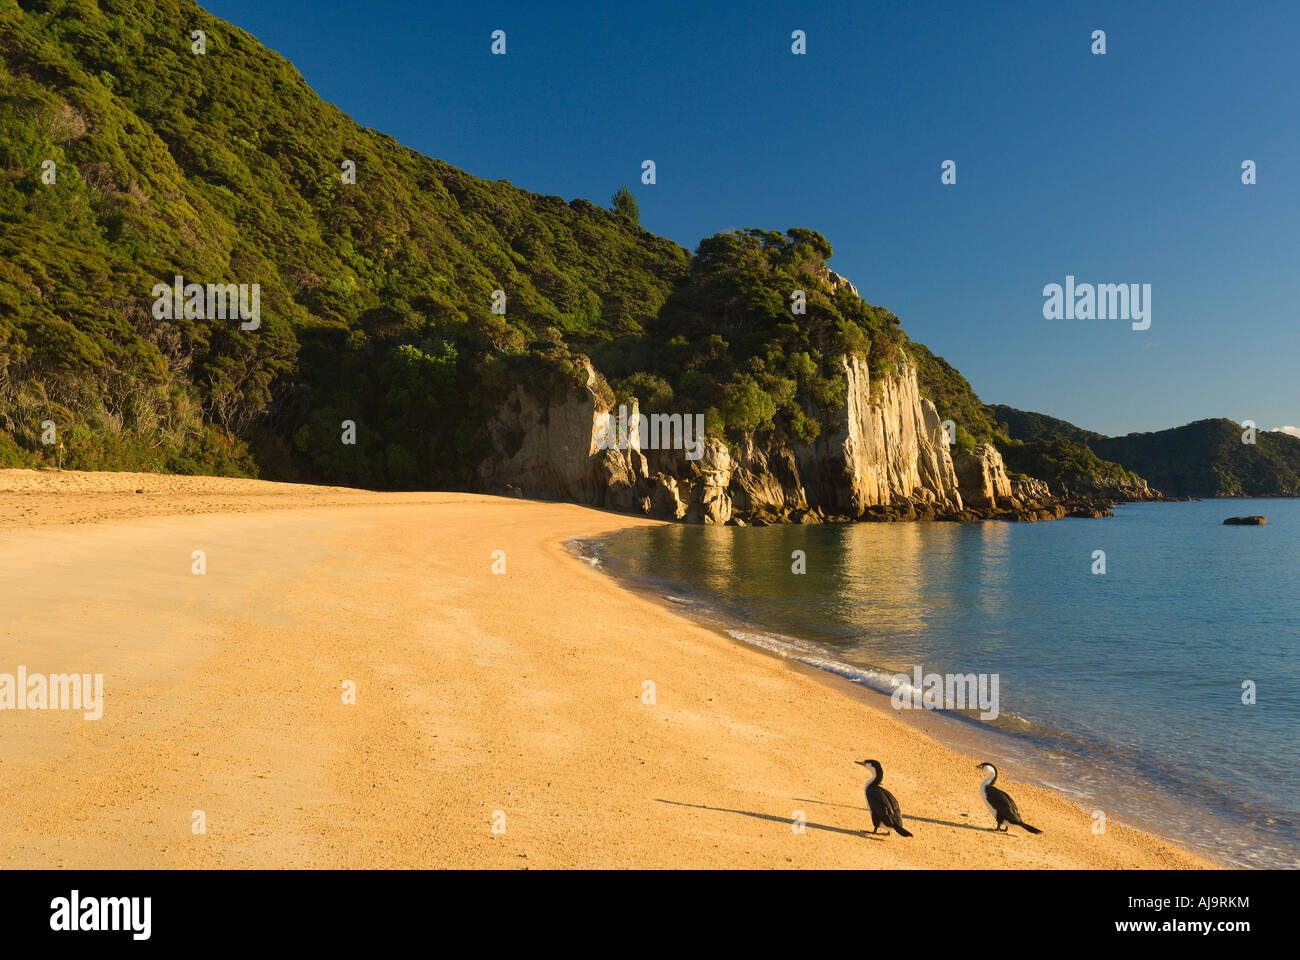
x: 624, y: 203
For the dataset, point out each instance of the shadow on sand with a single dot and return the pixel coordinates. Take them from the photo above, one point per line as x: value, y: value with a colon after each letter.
x: 783, y: 820
x: 941, y: 823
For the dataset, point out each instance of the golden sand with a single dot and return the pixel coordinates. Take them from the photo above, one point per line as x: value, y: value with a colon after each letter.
x: 499, y: 719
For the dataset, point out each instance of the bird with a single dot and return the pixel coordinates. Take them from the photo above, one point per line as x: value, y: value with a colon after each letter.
x: 1002, y: 807
x: 881, y: 803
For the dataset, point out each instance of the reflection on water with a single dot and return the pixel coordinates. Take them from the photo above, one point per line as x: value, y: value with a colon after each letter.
x: 1128, y: 683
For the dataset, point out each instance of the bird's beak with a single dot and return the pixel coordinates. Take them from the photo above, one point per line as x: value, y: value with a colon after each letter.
x: 860, y: 763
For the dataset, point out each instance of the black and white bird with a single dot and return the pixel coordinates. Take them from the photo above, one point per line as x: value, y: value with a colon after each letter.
x: 881, y: 803
x: 1002, y: 807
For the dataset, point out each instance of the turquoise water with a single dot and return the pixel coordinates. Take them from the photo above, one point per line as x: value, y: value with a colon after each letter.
x: 1124, y: 688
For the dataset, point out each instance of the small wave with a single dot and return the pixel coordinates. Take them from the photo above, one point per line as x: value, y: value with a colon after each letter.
x: 585, y: 549
x: 881, y: 681
x: 792, y: 648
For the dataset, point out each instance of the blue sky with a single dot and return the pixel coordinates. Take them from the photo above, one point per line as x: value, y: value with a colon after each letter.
x: 1123, y: 168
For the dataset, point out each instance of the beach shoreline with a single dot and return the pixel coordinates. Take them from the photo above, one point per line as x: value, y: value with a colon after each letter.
x: 500, y: 719
x: 963, y: 734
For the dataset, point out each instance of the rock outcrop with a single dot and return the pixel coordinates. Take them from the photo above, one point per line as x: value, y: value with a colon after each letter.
x: 546, y: 447
x: 889, y: 448
x: 1252, y: 521
x: 982, y: 477
x: 709, y: 479
x: 1030, y: 490
x: 766, y: 481
x: 1134, y: 490
x: 886, y: 457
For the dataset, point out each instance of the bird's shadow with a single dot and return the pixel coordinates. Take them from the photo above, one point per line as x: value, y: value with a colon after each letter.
x: 941, y: 823
x: 949, y: 823
x: 787, y: 821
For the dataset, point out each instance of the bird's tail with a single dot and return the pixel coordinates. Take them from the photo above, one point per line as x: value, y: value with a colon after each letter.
x: 903, y: 833
x: 1029, y: 828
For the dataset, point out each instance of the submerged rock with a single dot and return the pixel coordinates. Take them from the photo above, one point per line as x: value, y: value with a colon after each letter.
x: 1254, y: 521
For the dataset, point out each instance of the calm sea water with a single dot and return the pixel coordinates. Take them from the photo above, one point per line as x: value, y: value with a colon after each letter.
x: 1123, y: 688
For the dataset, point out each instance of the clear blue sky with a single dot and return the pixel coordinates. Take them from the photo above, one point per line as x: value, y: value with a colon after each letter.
x: 1123, y: 168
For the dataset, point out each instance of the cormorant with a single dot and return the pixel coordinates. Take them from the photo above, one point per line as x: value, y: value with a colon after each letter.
x: 881, y: 803
x: 1002, y: 807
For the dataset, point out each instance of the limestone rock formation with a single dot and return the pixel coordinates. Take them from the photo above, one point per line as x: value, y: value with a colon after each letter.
x: 1136, y: 490
x: 981, y: 476
x: 885, y: 457
x: 545, y: 448
x: 1030, y: 490
x: 710, y: 483
x: 766, y: 480
x: 890, y: 447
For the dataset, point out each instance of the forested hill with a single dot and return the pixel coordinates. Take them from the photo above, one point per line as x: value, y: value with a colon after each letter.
x: 1208, y: 458
x: 1030, y: 427
x: 1211, y: 458
x: 129, y: 158
x: 225, y: 167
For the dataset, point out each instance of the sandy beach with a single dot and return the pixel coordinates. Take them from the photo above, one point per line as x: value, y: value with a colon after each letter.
x: 500, y: 719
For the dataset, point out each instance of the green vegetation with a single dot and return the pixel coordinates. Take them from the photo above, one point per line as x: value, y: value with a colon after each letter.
x: 1065, y: 465
x: 376, y: 295
x: 1055, y: 451
x: 226, y: 167
x: 1023, y: 425
x: 727, y: 342
x: 624, y: 204
x: 1208, y: 458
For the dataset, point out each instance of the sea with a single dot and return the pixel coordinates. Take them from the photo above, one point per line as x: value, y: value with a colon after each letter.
x: 1147, y: 665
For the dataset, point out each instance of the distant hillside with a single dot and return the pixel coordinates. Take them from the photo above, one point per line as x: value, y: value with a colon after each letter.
x: 1027, y: 426
x: 1208, y: 459
x: 1202, y: 459
x: 1072, y: 467
x: 1060, y: 453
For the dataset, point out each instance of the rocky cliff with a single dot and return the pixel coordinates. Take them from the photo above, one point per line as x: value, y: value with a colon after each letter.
x: 982, y: 477
x: 890, y: 449
x: 887, y: 458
